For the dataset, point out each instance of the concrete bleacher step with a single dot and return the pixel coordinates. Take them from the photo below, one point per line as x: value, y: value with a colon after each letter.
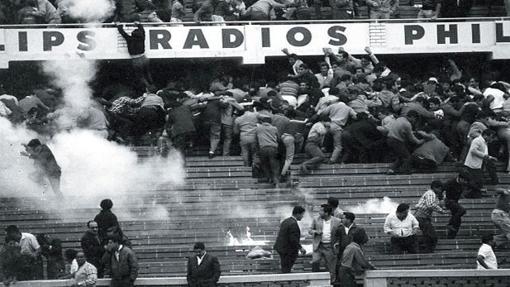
x: 220, y: 195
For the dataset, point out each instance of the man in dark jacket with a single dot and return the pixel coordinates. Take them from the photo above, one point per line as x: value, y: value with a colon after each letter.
x: 453, y: 192
x: 92, y: 247
x: 136, y: 48
x: 106, y: 220
x: 287, y: 242
x: 120, y: 263
x: 45, y: 162
x: 345, y: 232
x: 203, y: 269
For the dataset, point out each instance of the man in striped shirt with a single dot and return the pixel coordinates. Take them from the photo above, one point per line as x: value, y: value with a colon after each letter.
x: 428, y: 203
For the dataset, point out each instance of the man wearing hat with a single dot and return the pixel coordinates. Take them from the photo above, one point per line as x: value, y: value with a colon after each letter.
x: 323, y: 229
x: 203, y: 268
x: 45, y: 162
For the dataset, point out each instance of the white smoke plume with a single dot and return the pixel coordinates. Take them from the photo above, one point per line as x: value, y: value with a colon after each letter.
x: 88, y: 10
x: 92, y: 167
x: 374, y: 205
x: 73, y: 77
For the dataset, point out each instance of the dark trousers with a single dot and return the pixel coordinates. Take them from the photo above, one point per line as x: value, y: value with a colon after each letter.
x: 403, y: 161
x: 54, y: 180
x: 287, y: 261
x: 270, y: 164
x: 422, y: 164
x: 429, y: 240
x: 148, y: 118
x: 123, y: 282
x: 457, y: 211
x: 400, y: 245
x: 317, y: 156
x: 346, y: 277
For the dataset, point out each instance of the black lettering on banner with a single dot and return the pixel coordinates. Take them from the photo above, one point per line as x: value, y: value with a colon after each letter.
x: 337, y: 36
x: 266, y: 38
x: 500, y: 34
x: 475, y: 34
x: 291, y: 36
x: 159, y: 37
x: 52, y: 39
x: 227, y: 39
x: 451, y: 33
x: 195, y: 37
x: 23, y: 41
x: 86, y: 39
x: 413, y: 32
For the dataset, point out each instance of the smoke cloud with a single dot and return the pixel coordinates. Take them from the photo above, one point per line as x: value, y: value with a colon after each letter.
x: 375, y: 205
x: 73, y: 77
x: 92, y: 167
x: 88, y: 10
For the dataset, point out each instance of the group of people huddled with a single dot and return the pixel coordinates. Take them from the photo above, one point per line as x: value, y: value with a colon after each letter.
x: 105, y: 250
x: 164, y: 11
x: 357, y: 108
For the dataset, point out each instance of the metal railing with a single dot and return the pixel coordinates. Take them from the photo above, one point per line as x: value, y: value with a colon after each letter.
x: 272, y: 22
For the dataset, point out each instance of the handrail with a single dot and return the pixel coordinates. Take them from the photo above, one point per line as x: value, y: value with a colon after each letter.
x: 290, y: 22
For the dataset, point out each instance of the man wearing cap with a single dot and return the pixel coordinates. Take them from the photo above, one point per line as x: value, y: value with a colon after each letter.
x: 323, y: 230
x: 45, y: 162
x: 203, y: 268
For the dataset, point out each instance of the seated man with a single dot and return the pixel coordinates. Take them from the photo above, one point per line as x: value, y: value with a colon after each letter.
x: 402, y: 227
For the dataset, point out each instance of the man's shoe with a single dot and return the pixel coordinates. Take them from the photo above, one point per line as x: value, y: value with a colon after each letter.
x: 211, y: 154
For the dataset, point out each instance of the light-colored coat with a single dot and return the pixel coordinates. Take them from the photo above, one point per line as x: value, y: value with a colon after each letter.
x: 317, y: 227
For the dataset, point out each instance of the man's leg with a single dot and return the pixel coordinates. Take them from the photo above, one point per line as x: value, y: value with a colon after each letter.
x: 457, y: 211
x: 411, y: 244
x: 316, y: 260
x: 227, y: 139
x: 402, y: 153
x: 274, y: 164
x: 287, y: 261
x: 315, y: 152
x: 214, y: 137
x: 475, y: 183
x: 288, y: 141
x: 54, y: 180
x: 429, y: 235
x: 396, y: 245
x: 337, y: 142
x: 245, y: 150
x: 330, y: 258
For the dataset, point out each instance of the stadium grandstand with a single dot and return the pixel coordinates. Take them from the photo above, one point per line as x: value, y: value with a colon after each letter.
x: 254, y: 143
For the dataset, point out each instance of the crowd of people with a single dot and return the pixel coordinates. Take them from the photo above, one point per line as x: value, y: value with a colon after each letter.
x: 338, y: 241
x: 358, y: 109
x: 164, y: 11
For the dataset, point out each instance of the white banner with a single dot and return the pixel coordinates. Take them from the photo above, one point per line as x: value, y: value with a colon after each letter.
x: 255, y: 42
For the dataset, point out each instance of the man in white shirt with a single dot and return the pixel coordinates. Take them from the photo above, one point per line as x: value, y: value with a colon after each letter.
x: 486, y: 258
x: 478, y: 154
x: 323, y: 230
x: 402, y: 227
x: 30, y: 251
x: 85, y: 274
